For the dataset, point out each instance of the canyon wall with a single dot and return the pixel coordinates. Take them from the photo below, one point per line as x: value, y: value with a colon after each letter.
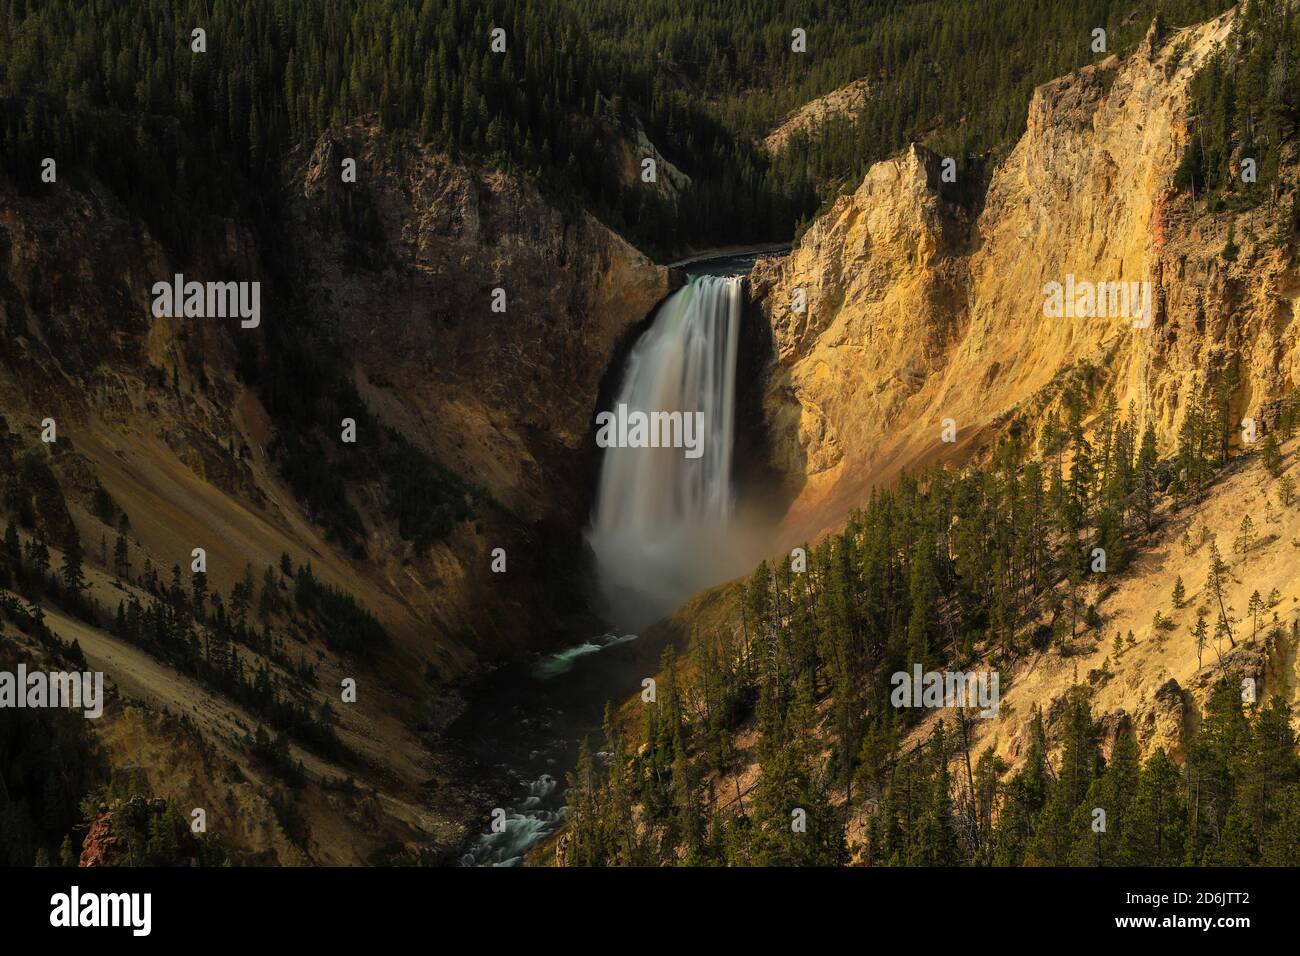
x: 916, y: 314
x: 504, y: 398
x: 396, y: 273
x: 400, y: 271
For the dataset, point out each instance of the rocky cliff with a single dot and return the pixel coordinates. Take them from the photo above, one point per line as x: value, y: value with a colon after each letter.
x: 402, y: 271
x: 844, y: 103
x: 917, y: 314
x: 503, y: 397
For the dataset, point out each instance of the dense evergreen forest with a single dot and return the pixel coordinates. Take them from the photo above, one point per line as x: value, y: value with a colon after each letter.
x: 115, y: 89
x: 1245, y: 106
x: 969, y: 570
x: 956, y: 76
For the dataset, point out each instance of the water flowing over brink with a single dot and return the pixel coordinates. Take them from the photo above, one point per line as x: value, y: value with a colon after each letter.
x: 660, y: 518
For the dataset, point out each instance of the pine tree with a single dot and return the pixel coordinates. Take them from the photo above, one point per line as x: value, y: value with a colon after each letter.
x: 67, y: 854
x: 1147, y: 465
x: 935, y: 840
x: 1255, y: 608
x: 1272, y: 455
x: 1215, y: 589
x: 1211, y: 766
x: 1154, y: 824
x: 1200, y: 635
x: 199, y: 591
x: 586, y: 843
x: 1245, y: 535
x: 73, y: 577
x: 1119, y: 784
x: 121, y: 558
x: 1230, y: 247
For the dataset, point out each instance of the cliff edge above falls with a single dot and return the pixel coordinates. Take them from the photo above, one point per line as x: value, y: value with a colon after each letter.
x: 915, y: 315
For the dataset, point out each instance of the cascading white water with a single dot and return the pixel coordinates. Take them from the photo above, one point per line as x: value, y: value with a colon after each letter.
x: 660, y: 522
x: 533, y: 822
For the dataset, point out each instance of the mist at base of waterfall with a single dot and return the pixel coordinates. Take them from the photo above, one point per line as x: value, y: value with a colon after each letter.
x: 642, y: 580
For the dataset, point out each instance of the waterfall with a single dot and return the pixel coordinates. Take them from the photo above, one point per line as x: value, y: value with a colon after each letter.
x: 660, y: 522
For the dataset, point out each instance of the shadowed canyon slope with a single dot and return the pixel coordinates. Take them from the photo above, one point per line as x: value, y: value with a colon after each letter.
x: 157, y: 412
x: 403, y: 271
x: 505, y: 398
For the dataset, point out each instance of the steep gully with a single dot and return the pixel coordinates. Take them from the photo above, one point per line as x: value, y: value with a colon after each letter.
x: 663, y: 527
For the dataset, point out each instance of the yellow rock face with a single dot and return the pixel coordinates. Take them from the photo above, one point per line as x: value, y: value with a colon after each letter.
x: 918, y: 317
